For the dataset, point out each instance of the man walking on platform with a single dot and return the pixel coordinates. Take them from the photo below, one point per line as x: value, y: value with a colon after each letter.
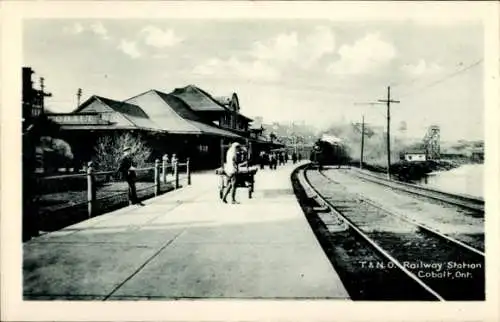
x: 127, y: 171
x: 231, y: 170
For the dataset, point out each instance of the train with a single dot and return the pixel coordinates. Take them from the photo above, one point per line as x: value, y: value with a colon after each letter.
x: 329, y: 150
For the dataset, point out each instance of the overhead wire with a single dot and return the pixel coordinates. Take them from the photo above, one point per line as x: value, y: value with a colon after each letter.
x: 442, y: 80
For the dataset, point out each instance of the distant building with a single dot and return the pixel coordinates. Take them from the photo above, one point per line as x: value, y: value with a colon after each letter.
x: 257, y: 130
x: 415, y: 156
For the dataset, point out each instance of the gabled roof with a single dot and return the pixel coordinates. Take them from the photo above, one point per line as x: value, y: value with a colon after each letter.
x: 132, y: 113
x: 154, y: 110
x: 172, y: 115
x: 124, y: 107
x: 183, y: 110
x: 198, y: 99
x: 119, y: 106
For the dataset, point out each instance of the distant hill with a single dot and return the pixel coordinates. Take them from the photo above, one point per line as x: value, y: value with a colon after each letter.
x: 463, y: 147
x: 285, y: 131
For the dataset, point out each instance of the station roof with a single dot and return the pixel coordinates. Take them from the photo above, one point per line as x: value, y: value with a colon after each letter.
x: 198, y: 99
x: 172, y: 115
x: 201, y: 101
x: 152, y: 110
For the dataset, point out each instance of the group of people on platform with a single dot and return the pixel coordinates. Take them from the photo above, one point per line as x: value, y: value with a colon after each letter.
x: 235, y: 158
x: 275, y: 158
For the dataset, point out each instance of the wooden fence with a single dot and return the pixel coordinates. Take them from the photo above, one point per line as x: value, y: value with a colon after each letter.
x: 67, y: 199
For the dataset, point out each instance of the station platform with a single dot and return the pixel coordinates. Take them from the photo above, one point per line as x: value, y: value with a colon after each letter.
x: 187, y: 244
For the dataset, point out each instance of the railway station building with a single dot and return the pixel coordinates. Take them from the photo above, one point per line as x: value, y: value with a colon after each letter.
x: 188, y: 122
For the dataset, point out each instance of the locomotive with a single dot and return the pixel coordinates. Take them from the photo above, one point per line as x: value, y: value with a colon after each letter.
x: 329, y: 151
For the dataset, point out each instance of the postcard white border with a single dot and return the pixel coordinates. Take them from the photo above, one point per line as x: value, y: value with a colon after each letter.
x: 14, y: 309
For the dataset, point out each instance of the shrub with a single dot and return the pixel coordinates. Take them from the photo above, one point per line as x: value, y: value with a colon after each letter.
x: 109, y: 151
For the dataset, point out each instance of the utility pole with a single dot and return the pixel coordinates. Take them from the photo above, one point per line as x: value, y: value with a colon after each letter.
x: 362, y: 141
x: 43, y: 94
x: 78, y: 96
x: 389, y: 101
x: 363, y: 129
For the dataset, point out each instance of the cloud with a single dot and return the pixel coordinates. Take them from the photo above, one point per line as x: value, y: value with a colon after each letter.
x: 74, y: 29
x: 268, y: 59
x: 96, y: 28
x: 159, y: 38
x: 283, y: 48
x: 364, y: 56
x: 99, y: 29
x: 421, y: 68
x: 286, y: 47
x: 235, y: 68
x: 160, y: 56
x: 129, y: 48
x: 318, y: 44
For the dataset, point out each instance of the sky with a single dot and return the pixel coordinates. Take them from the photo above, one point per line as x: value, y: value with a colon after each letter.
x: 313, y: 71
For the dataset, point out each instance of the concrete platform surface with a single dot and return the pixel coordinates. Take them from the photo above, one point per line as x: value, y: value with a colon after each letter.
x: 187, y: 244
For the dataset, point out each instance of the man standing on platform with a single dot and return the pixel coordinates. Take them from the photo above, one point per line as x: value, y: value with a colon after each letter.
x: 127, y: 170
x: 231, y: 170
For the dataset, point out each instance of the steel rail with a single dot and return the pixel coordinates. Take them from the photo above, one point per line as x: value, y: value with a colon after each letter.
x: 468, y: 202
x: 470, y: 198
x: 411, y: 221
x: 371, y: 242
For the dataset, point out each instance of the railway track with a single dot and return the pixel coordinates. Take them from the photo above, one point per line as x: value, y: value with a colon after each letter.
x: 417, y: 258
x: 463, y: 201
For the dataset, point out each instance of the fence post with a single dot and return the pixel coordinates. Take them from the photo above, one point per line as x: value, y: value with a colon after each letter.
x: 176, y: 173
x: 91, y: 191
x: 164, y: 166
x: 157, y: 177
x: 188, y: 172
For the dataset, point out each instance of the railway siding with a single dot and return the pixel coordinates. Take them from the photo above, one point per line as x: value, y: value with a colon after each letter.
x: 449, y: 220
x: 445, y: 268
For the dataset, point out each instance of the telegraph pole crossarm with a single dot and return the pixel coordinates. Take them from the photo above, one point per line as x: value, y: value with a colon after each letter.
x: 389, y: 101
x: 369, y: 103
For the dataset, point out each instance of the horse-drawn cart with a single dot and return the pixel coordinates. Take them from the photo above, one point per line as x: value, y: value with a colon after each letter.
x: 245, y: 178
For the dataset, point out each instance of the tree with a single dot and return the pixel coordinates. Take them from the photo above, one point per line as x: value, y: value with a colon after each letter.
x: 109, y: 151
x: 54, y: 152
